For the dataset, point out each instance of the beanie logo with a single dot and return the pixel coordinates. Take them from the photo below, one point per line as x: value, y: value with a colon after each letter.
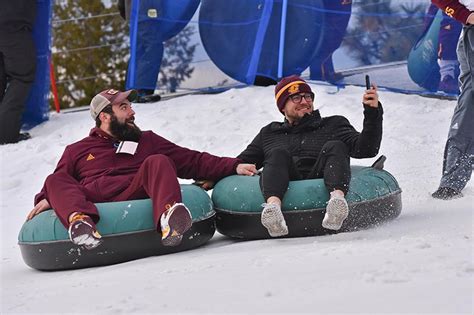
x: 112, y: 92
x: 90, y: 157
x: 294, y: 89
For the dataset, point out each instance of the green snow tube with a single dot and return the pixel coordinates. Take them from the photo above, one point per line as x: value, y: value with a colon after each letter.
x: 374, y: 197
x: 127, y: 229
x: 422, y: 63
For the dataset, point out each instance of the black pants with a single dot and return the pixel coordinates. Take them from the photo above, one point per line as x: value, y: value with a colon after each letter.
x: 333, y: 165
x: 17, y: 73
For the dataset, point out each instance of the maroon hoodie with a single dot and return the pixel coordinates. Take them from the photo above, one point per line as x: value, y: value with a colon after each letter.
x: 454, y: 9
x: 93, y: 162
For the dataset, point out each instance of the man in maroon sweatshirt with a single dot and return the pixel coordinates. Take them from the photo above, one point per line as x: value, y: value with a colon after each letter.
x: 118, y: 162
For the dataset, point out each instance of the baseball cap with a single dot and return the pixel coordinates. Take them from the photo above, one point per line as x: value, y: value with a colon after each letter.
x: 109, y: 96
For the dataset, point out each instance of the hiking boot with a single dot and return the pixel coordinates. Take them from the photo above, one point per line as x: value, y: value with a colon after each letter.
x: 449, y: 85
x: 21, y: 137
x: 24, y: 136
x: 174, y: 223
x: 272, y: 218
x: 337, y: 211
x: 446, y: 193
x: 82, y: 231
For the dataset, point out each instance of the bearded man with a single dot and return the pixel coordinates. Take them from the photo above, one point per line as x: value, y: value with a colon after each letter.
x: 306, y: 146
x: 118, y: 162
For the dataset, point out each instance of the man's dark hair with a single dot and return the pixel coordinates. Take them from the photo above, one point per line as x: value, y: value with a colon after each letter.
x: 108, y: 110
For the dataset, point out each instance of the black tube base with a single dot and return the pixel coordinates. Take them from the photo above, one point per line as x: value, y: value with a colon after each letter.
x: 63, y: 255
x: 244, y: 225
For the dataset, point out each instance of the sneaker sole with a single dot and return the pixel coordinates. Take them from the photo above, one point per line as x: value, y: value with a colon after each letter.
x: 85, y: 239
x: 180, y: 221
x: 336, y: 212
x: 276, y: 226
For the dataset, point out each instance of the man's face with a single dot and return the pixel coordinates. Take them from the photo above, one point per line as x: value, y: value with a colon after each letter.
x: 297, y: 106
x: 122, y: 122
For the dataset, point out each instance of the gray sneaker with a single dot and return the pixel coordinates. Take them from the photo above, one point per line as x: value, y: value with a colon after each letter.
x: 337, y: 211
x: 272, y: 218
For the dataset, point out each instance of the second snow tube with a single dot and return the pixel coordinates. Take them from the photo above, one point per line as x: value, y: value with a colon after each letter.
x: 422, y: 61
x: 127, y: 229
x: 374, y: 197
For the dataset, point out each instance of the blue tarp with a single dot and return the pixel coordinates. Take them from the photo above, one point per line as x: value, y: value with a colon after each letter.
x: 37, y: 106
x: 151, y: 23
x: 252, y: 39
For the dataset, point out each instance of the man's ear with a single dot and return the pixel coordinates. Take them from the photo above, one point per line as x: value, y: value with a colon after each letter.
x: 104, y: 117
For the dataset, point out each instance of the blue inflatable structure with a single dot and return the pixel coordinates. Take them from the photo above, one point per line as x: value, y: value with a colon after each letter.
x: 37, y: 105
x: 151, y: 23
x: 337, y: 16
x: 254, y: 38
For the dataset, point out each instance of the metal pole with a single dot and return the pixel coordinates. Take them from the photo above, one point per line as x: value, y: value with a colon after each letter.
x: 284, y: 7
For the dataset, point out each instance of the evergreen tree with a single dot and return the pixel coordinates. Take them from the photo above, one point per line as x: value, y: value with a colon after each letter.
x: 90, y: 53
x: 178, y: 54
x: 384, y: 34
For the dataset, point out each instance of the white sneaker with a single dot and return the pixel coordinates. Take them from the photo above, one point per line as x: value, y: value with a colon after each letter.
x: 337, y: 211
x: 273, y: 220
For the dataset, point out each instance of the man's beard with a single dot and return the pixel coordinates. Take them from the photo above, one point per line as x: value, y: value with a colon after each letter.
x: 124, y: 131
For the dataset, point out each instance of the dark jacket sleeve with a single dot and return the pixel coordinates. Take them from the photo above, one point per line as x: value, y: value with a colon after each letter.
x: 254, y: 152
x: 192, y: 164
x: 454, y: 9
x: 365, y: 144
x: 64, y: 165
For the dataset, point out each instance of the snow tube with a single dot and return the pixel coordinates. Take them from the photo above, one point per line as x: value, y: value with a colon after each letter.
x: 242, y: 37
x: 422, y: 61
x: 374, y: 197
x: 126, y: 227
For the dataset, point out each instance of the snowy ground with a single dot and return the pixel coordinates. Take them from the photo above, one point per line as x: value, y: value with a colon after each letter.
x: 420, y: 263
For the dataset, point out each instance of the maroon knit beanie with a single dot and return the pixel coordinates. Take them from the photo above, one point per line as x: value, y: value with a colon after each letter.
x: 289, y: 86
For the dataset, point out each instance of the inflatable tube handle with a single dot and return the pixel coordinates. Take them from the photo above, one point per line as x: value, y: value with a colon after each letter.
x: 379, y: 163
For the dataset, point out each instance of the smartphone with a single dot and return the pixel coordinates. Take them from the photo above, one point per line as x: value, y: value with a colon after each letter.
x: 367, y: 82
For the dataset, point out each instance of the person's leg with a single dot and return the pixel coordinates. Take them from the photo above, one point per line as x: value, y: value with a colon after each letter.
x: 333, y: 165
x: 277, y: 172
x: 73, y: 204
x: 447, y: 58
x: 157, y: 179
x: 66, y: 196
x: 459, y: 149
x: 20, y: 64
x: 3, y: 78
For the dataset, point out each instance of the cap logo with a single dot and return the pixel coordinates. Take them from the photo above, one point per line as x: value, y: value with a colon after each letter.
x: 289, y: 86
x: 112, y: 92
x: 294, y: 89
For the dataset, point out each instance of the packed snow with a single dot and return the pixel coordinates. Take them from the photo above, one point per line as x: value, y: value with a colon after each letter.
x: 422, y: 262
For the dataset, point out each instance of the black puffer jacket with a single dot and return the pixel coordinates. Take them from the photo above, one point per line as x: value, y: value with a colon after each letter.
x: 305, y: 140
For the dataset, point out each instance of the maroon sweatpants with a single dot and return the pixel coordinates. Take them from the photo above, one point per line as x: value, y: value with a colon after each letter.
x: 156, y: 179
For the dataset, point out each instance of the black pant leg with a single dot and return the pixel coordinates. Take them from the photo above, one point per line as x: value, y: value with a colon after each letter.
x: 3, y: 78
x: 333, y: 165
x: 19, y: 58
x: 277, y: 172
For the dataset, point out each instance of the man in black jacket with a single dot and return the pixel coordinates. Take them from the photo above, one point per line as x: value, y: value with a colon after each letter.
x: 307, y: 146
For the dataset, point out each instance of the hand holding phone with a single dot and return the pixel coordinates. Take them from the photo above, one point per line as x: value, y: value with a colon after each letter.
x: 370, y: 97
x: 367, y: 82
